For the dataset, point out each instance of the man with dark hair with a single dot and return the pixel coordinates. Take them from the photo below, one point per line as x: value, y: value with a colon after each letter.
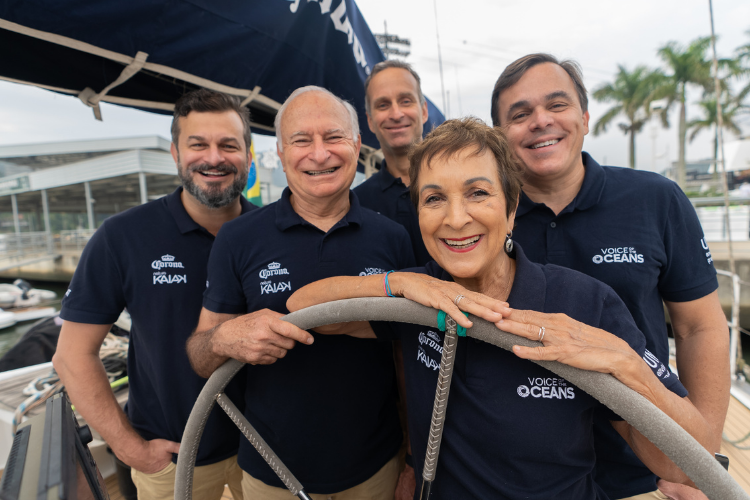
x: 396, y: 113
x: 152, y: 259
x: 635, y: 231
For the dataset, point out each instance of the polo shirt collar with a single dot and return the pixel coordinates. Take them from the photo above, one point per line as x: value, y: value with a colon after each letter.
x: 184, y: 222
x: 529, y: 284
x: 385, y: 179
x: 587, y: 197
x: 286, y: 217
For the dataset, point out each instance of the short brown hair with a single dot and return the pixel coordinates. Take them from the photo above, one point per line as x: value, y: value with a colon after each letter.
x: 515, y: 70
x: 392, y: 63
x: 210, y: 101
x: 454, y: 136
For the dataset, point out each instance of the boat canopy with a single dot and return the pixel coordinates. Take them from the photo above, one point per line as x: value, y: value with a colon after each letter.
x: 146, y: 53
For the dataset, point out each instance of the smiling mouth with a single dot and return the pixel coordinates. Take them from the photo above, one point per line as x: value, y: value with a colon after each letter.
x: 314, y: 173
x: 213, y: 173
x: 545, y: 143
x: 462, y: 244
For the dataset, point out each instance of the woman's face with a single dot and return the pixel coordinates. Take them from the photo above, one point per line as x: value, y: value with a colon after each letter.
x: 462, y: 214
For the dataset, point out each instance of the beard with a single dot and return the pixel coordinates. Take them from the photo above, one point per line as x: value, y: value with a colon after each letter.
x: 216, y: 196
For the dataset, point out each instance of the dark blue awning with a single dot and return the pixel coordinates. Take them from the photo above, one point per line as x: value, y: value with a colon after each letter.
x: 260, y: 50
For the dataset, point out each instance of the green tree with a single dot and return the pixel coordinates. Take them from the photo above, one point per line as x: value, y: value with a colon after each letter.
x: 688, y: 66
x: 743, y: 69
x: 709, y: 121
x: 632, y: 92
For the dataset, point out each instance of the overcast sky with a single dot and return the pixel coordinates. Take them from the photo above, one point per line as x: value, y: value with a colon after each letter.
x: 478, y: 39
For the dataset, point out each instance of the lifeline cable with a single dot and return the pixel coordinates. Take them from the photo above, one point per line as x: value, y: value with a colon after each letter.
x: 441, y: 404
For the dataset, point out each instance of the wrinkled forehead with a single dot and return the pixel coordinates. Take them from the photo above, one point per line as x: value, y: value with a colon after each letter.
x: 315, y: 112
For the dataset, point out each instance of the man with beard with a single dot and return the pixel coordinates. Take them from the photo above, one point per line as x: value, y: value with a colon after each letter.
x: 152, y: 259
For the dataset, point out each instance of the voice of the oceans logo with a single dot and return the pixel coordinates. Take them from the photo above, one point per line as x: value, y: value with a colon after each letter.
x: 618, y: 254
x: 372, y: 270
x: 547, y: 388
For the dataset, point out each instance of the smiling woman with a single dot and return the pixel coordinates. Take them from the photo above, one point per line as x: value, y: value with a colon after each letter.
x: 513, y: 429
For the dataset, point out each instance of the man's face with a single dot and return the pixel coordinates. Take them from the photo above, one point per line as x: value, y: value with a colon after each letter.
x: 396, y: 117
x: 319, y: 154
x: 544, y: 123
x: 211, y: 156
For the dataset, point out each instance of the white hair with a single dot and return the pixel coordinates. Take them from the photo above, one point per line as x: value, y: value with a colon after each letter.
x: 310, y: 88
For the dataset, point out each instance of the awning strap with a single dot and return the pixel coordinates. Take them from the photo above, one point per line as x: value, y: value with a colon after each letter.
x: 90, y: 99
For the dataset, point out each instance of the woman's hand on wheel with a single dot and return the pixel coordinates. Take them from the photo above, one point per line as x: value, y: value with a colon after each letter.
x: 568, y: 341
x: 447, y: 296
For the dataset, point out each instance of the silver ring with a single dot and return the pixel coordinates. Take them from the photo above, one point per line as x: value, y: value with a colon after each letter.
x: 541, y: 334
x: 458, y: 299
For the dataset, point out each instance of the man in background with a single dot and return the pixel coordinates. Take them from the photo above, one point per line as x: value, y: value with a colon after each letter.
x: 396, y: 114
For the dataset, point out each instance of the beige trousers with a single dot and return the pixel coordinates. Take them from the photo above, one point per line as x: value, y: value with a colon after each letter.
x: 208, y: 481
x: 653, y: 495
x: 379, y: 487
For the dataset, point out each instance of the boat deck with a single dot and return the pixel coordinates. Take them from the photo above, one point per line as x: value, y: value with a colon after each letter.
x: 737, y: 426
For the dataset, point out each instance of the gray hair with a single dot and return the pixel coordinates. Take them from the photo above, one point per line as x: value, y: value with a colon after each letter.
x: 392, y: 63
x: 313, y: 88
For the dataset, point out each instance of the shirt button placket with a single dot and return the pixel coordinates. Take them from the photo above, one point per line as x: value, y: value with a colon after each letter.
x: 555, y: 242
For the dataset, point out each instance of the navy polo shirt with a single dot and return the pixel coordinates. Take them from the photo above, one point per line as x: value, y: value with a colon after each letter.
x: 514, y: 429
x: 152, y: 259
x: 637, y: 232
x: 328, y: 409
x: 389, y: 196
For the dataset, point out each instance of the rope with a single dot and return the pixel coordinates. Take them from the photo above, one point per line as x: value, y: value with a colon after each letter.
x: 114, y: 356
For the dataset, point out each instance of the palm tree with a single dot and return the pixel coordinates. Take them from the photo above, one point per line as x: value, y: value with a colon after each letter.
x: 688, y: 66
x: 632, y: 92
x: 729, y: 110
x: 743, y: 68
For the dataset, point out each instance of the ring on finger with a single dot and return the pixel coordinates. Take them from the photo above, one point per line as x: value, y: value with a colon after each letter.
x: 458, y: 299
x: 541, y: 334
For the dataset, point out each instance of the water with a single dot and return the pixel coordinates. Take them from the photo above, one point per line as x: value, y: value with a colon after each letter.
x: 9, y: 336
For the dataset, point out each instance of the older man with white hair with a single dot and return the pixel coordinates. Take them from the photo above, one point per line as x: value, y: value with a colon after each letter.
x: 326, y: 407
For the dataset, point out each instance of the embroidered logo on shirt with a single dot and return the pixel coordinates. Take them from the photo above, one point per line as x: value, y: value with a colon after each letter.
x: 657, y: 366
x: 432, y: 340
x: 167, y: 262
x: 372, y: 270
x: 268, y: 286
x: 618, y: 254
x: 709, y: 259
x: 271, y: 287
x: 427, y: 360
x: 274, y: 269
x: 547, y: 388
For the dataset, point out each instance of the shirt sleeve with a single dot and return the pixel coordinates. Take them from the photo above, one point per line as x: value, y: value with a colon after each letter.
x: 689, y: 272
x: 616, y: 319
x: 96, y: 294
x: 224, y: 293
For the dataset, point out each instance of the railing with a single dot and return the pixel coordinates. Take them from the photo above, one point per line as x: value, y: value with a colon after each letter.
x: 76, y: 239
x: 24, y: 248
x: 734, y: 323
